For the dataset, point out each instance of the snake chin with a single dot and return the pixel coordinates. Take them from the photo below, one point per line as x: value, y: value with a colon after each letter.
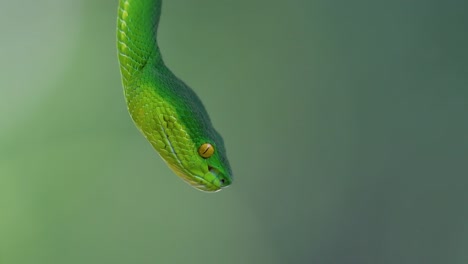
x: 211, y: 181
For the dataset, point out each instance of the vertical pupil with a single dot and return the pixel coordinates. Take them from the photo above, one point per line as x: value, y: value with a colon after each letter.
x: 206, y: 150
x: 207, y: 147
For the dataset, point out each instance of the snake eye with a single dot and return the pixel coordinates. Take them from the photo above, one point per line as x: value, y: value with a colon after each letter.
x: 206, y: 150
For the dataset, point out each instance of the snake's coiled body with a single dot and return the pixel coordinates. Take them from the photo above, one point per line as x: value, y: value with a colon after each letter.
x: 168, y: 113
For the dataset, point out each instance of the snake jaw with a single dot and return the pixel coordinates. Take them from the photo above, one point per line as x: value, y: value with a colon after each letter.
x: 222, y: 180
x: 213, y: 180
x: 208, y: 182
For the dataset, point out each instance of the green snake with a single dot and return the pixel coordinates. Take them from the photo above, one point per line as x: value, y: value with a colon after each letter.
x: 167, y: 112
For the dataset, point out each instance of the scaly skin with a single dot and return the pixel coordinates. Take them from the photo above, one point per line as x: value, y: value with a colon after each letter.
x: 168, y: 113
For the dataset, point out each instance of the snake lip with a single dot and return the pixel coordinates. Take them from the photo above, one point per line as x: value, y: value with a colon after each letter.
x: 220, y: 176
x: 206, y: 186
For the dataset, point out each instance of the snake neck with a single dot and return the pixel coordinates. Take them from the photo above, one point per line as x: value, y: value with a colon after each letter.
x: 137, y: 36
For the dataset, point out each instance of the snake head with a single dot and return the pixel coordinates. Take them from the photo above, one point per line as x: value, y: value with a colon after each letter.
x: 174, y: 121
x: 208, y: 170
x: 197, y: 155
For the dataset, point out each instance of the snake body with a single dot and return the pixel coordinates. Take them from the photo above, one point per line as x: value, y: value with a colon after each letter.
x: 167, y: 112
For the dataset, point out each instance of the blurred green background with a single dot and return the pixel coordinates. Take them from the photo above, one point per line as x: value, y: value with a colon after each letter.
x: 345, y: 124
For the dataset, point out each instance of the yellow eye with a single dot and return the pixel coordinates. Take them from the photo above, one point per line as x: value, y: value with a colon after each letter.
x: 206, y: 150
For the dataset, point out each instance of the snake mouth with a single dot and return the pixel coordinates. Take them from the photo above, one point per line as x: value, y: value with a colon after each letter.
x: 223, y: 181
x: 202, y: 184
x: 208, y: 182
x: 212, y: 181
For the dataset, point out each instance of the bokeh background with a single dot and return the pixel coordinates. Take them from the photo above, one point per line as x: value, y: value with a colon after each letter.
x: 345, y: 124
